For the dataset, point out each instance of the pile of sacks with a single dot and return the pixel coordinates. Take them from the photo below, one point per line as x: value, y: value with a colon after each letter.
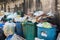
x: 33, y: 17
x: 39, y: 16
x: 9, y: 31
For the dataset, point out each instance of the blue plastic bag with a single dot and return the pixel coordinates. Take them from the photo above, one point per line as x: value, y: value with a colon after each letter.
x: 1, y: 25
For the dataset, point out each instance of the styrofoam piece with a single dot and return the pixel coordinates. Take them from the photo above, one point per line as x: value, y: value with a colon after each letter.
x: 38, y: 39
x: 58, y: 38
x: 38, y: 13
x: 17, y: 37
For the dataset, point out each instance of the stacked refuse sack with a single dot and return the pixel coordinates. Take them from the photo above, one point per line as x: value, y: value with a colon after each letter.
x: 10, y: 26
x: 13, y: 31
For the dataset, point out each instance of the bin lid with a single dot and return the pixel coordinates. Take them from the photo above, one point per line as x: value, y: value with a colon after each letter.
x: 28, y: 23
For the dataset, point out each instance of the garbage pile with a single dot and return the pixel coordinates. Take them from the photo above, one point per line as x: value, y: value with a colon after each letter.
x: 17, y: 27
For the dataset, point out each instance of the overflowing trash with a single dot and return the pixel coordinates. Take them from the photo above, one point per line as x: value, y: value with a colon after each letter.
x: 27, y: 27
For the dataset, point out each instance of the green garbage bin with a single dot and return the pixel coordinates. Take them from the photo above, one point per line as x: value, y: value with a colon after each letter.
x: 29, y: 30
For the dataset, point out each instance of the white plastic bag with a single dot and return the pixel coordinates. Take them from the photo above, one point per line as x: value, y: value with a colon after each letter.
x: 9, y: 28
x: 12, y: 15
x: 16, y: 37
x: 39, y: 25
x: 50, y: 14
x: 58, y: 38
x: 38, y: 13
x: 22, y: 19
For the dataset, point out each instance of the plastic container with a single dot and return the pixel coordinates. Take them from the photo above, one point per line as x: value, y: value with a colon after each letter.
x: 46, y: 34
x: 29, y: 30
x: 18, y: 29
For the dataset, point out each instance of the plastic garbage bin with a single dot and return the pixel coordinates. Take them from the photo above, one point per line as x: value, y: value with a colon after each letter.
x: 46, y: 34
x: 18, y: 29
x: 29, y: 30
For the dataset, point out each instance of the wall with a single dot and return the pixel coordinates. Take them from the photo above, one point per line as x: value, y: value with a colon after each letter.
x: 45, y: 5
x: 12, y: 5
